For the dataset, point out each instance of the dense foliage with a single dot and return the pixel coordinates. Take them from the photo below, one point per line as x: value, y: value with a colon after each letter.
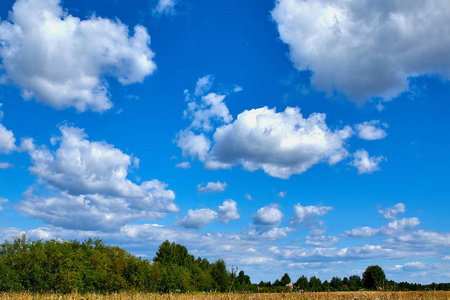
x: 91, y: 266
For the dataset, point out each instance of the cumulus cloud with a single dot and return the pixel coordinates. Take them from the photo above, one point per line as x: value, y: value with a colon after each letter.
x: 268, y: 217
x: 228, y: 211
x: 199, y: 218
x: 391, y: 213
x: 2, y: 200
x: 7, y: 140
x: 183, y: 165
x: 193, y: 145
x: 281, y: 144
x: 321, y: 241
x: 306, y: 215
x: 365, y: 49
x: 5, y: 165
x: 86, y: 186
x: 371, y: 130
x: 164, y: 7
x: 364, y: 163
x: 394, y: 228
x: 212, y: 187
x: 62, y: 61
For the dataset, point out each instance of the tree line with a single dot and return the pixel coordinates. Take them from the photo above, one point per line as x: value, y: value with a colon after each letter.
x: 92, y: 266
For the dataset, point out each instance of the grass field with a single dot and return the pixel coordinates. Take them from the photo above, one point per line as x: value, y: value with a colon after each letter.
x: 210, y: 296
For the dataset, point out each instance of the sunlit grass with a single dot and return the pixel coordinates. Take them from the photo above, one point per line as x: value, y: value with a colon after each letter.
x: 439, y: 295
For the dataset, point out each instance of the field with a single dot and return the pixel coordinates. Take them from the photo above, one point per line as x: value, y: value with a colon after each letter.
x: 234, y: 296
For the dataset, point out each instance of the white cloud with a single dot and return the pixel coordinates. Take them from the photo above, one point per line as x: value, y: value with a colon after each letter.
x: 371, y: 130
x: 281, y: 194
x: 281, y: 144
x: 391, y: 213
x: 2, y: 200
x: 193, y: 144
x: 62, y: 61
x: 268, y: 217
x: 394, y: 228
x: 306, y: 215
x: 366, y: 49
x: 208, y: 109
x: 248, y: 197
x: 212, y: 187
x: 199, y: 218
x: 7, y: 140
x: 321, y: 241
x: 164, y: 7
x: 364, y: 163
x: 228, y: 211
x: 27, y: 144
x: 183, y: 165
x: 5, y: 165
x: 204, y: 84
x: 88, y: 186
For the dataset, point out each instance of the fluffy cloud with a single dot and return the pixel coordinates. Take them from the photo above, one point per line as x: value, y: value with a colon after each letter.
x: 364, y: 163
x: 321, y: 241
x: 306, y: 215
x: 228, y: 211
x: 62, y: 60
x: 183, y: 165
x: 86, y: 186
x: 2, y: 200
x: 366, y: 49
x: 371, y: 130
x: 394, y: 228
x: 281, y: 143
x: 193, y: 145
x: 199, y: 218
x: 5, y: 165
x: 212, y: 187
x: 268, y: 216
x: 7, y: 140
x: 391, y: 213
x: 164, y: 7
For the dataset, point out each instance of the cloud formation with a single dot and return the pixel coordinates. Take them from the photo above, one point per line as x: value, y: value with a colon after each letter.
x: 364, y: 163
x: 62, y: 61
x: 365, y: 49
x: 212, y: 187
x: 85, y: 186
x: 199, y: 218
x: 371, y: 130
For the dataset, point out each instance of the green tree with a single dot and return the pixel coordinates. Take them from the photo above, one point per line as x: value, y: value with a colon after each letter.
x: 285, y: 279
x: 374, y: 278
x: 220, y: 275
x: 302, y: 283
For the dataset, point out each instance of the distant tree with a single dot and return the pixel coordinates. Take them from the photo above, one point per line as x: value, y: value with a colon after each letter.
x: 354, y: 283
x: 220, y: 275
x: 302, y: 283
x: 315, y: 284
x: 374, y: 278
x: 326, y: 286
x: 285, y: 279
x: 336, y: 284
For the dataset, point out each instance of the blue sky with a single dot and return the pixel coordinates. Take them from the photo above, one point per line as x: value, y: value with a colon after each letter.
x: 305, y: 137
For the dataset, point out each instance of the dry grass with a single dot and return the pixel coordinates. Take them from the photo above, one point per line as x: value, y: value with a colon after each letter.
x: 439, y: 295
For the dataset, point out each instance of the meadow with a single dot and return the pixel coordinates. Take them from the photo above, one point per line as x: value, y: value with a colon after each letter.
x: 438, y: 295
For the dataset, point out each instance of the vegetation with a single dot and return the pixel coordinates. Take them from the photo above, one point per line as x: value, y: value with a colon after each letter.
x: 93, y: 267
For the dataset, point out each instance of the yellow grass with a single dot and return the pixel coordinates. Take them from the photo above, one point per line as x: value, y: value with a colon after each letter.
x: 439, y: 295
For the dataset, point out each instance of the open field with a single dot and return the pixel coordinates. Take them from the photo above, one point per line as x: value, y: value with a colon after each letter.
x: 234, y: 296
